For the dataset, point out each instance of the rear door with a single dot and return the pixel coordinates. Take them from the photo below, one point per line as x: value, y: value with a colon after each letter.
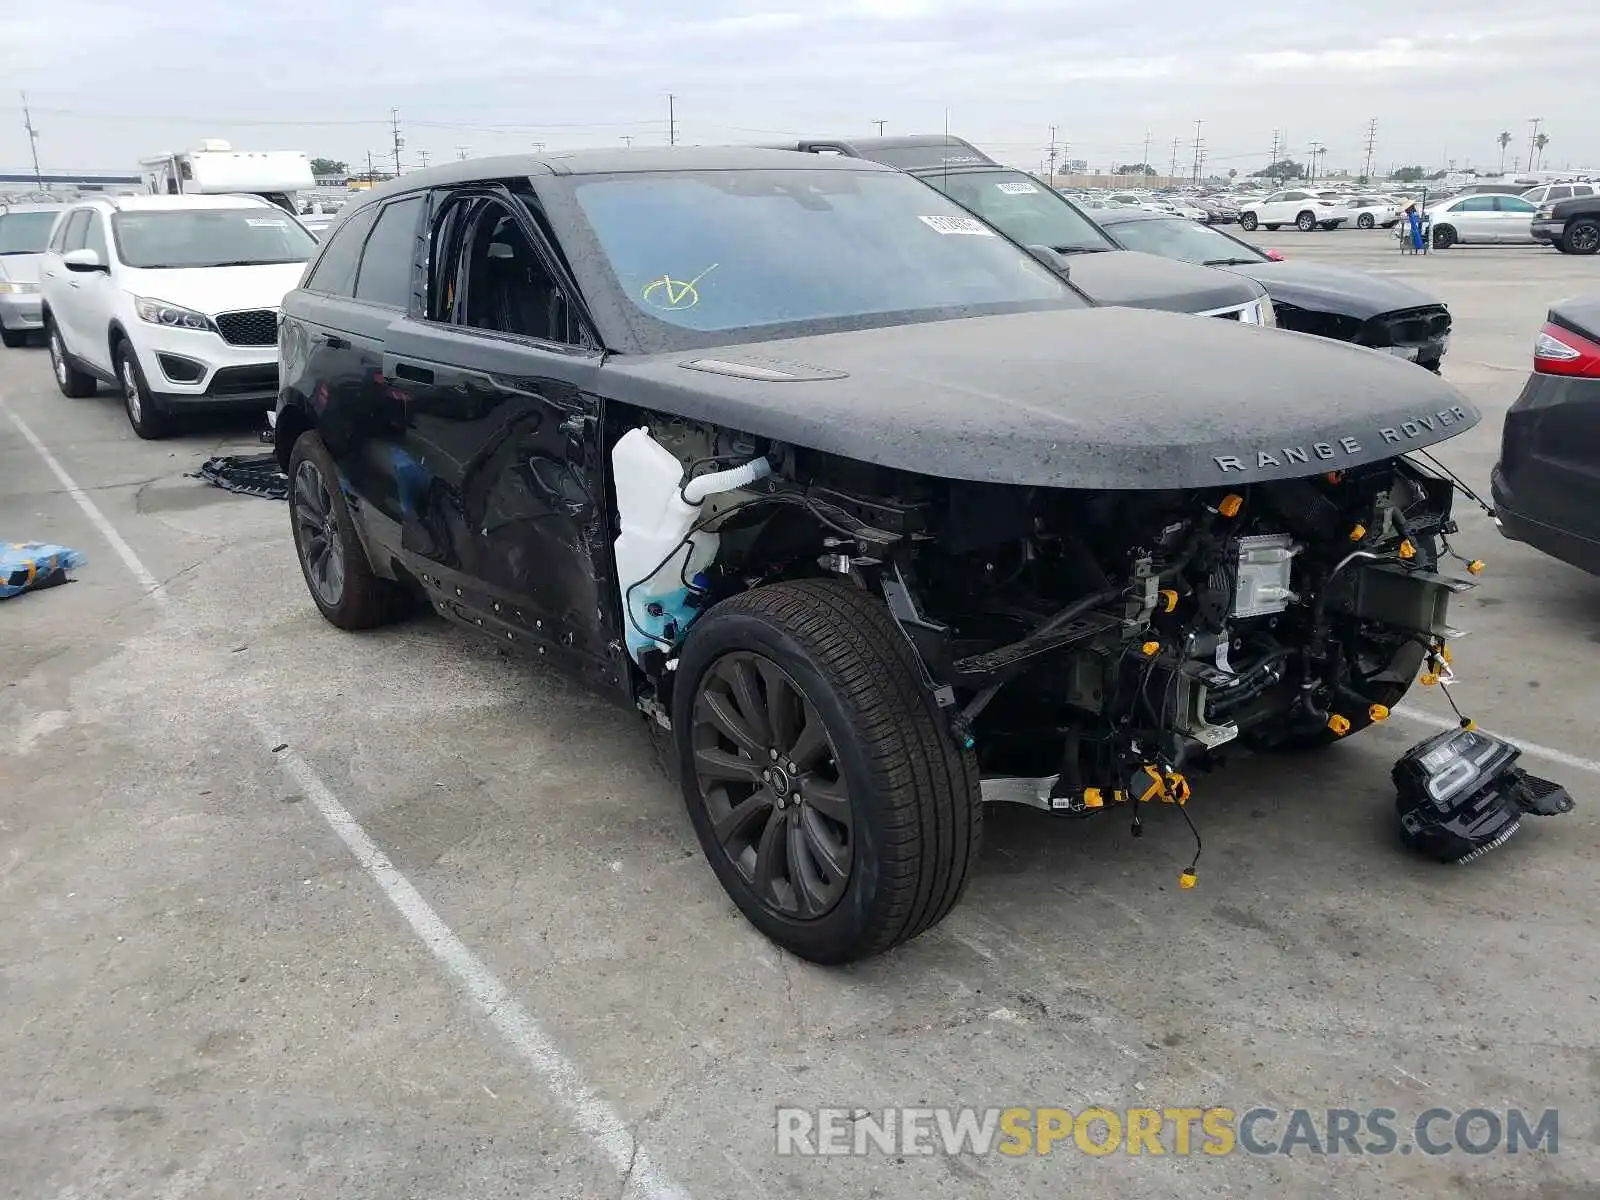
x: 1513, y: 220
x: 497, y: 367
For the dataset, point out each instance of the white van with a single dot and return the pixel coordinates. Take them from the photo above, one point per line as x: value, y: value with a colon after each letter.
x: 215, y: 168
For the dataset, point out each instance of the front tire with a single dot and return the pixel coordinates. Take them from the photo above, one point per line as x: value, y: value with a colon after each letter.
x: 1365, y: 221
x: 1247, y: 222
x: 340, y: 579
x: 74, y: 384
x: 1444, y: 237
x: 1581, y: 236
x: 1306, y: 222
x: 146, y: 417
x: 819, y: 774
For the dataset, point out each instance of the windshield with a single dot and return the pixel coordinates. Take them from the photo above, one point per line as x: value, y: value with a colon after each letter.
x: 714, y: 252
x: 210, y: 237
x: 26, y: 232
x: 1185, y: 240
x: 1023, y: 210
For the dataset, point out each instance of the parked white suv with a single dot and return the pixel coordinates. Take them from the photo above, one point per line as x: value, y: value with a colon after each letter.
x: 1304, y: 210
x: 171, y: 299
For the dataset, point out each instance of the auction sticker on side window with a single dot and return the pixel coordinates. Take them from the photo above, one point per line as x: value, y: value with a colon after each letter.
x: 1016, y: 187
x: 948, y: 225
x: 266, y: 223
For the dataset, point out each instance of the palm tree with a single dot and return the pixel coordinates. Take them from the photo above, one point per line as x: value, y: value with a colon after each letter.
x: 1539, y: 143
x: 1505, y: 140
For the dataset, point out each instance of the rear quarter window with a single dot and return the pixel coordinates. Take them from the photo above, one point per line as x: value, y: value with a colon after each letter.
x: 386, y: 262
x: 335, y: 272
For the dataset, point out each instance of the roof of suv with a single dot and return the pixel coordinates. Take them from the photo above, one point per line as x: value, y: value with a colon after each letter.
x: 913, y: 153
x: 182, y: 203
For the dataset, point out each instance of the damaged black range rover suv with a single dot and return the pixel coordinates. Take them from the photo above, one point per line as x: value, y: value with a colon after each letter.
x: 867, y: 511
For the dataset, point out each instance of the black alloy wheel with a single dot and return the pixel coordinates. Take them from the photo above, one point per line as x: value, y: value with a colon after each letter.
x: 1581, y: 237
x: 772, y: 784
x: 338, y: 576
x: 316, y: 535
x: 1444, y: 237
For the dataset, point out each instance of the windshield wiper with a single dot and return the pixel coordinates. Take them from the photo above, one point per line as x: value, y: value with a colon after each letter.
x: 1230, y: 262
x: 1080, y: 249
x: 3, y: 253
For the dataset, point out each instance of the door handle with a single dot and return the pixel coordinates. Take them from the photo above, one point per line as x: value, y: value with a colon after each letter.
x: 412, y: 372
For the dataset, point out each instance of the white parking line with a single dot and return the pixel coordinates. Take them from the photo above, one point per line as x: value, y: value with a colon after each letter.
x: 602, y: 1124
x: 1555, y: 756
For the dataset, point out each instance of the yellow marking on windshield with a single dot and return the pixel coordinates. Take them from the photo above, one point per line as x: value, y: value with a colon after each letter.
x: 678, y: 294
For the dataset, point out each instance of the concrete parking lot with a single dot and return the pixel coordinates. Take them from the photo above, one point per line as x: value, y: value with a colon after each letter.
x: 295, y: 912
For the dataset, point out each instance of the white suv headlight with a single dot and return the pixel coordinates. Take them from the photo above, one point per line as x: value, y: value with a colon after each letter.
x: 8, y: 288
x: 159, y: 312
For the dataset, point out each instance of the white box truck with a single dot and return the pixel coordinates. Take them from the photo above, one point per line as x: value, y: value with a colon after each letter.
x: 215, y: 168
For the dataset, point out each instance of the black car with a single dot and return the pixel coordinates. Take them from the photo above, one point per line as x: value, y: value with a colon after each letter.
x: 1333, y: 302
x: 1035, y: 215
x: 870, y: 514
x: 1547, y: 482
x: 1571, y: 226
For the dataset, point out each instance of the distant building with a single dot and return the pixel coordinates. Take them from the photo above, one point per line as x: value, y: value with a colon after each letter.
x: 1076, y: 166
x: 63, y: 181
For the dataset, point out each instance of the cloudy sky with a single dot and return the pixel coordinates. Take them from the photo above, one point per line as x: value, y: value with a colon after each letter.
x: 112, y: 80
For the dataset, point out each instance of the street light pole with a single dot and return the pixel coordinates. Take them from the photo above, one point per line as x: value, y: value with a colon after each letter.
x: 33, y: 141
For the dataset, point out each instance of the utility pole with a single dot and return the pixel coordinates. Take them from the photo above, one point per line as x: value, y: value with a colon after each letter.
x: 423, y: 155
x: 394, y: 128
x: 1533, y: 135
x: 1052, y: 172
x: 461, y: 153
x: 33, y: 141
x: 1272, y: 161
x: 1197, y: 152
x: 672, y: 120
x: 1172, y: 169
x: 1144, y: 163
x: 628, y: 138
x: 880, y: 125
x: 1372, y: 137
x: 369, y: 166
x: 1316, y: 149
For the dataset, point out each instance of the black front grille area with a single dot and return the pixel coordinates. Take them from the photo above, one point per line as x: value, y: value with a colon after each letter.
x: 245, y: 381
x: 1413, y: 327
x: 252, y: 327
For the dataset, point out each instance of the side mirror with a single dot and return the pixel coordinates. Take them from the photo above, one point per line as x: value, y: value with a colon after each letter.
x: 83, y: 260
x: 1052, y: 258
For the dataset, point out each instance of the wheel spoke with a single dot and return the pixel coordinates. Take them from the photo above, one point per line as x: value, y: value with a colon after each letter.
x: 711, y: 763
x: 307, y: 493
x: 810, y: 745
x: 832, y: 855
x: 741, y: 674
x: 741, y: 817
x: 769, y: 857
x: 827, y: 796
x: 803, y: 880
x: 719, y: 708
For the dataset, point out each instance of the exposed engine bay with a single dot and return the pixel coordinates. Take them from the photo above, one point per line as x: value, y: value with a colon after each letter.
x: 1097, y: 647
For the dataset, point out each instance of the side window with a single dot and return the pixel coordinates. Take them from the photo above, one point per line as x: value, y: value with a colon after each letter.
x: 1476, y: 204
x: 1513, y: 204
x: 1559, y: 193
x: 385, y: 274
x: 501, y: 282
x: 95, y: 237
x: 1582, y: 189
x: 335, y: 272
x: 77, y: 227
x: 58, y: 234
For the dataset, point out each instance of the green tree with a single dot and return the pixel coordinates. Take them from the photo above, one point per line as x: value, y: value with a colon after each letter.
x: 1505, y: 140
x: 1539, y: 143
x: 328, y: 166
x: 1409, y: 174
x: 1135, y: 169
x: 1286, y: 169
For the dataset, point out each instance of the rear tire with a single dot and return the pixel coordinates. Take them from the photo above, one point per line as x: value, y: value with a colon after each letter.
x: 340, y: 579
x: 146, y: 417
x: 1444, y: 237
x: 1306, y: 222
x: 853, y: 717
x: 1365, y: 221
x: 1581, y: 236
x: 13, y: 339
x: 74, y: 384
x: 1247, y: 222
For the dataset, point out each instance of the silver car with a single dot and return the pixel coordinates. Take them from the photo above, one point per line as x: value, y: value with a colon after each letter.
x: 24, y: 233
x: 1484, y: 218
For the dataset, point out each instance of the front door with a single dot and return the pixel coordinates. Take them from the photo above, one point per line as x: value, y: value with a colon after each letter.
x: 1474, y: 219
x: 96, y: 298
x: 508, y: 499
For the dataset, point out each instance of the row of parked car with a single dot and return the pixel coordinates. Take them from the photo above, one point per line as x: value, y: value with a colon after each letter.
x: 878, y: 489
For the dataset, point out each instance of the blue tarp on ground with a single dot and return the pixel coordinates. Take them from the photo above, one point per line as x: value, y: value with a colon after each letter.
x: 28, y: 566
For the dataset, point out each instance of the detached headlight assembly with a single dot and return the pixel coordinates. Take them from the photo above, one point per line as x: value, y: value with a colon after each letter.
x: 8, y: 288
x: 1259, y: 312
x: 159, y: 312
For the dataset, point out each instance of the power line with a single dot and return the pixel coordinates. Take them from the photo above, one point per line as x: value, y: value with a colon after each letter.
x: 1172, y: 170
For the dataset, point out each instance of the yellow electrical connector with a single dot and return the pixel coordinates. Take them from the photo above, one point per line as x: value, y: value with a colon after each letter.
x: 1093, y: 799
x: 1469, y: 724
x: 1188, y: 879
x: 1407, y: 550
x: 1150, y: 649
x: 1357, y: 532
x: 1475, y: 567
x: 1339, y: 725
x: 1169, y: 599
x: 1444, y: 656
x: 1177, y: 789
x: 1231, y: 504
x: 1427, y: 679
x: 1378, y: 712
x: 1158, y: 786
